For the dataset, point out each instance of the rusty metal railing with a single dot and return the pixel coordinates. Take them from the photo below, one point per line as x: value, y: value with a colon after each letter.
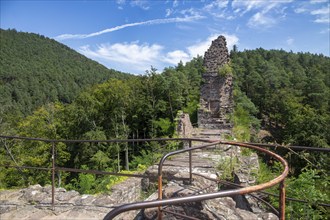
x: 173, y: 201
x: 162, y: 202
x: 55, y: 168
x: 317, y: 149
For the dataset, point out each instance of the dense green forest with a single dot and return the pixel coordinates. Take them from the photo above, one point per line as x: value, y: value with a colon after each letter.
x: 281, y: 94
x: 289, y: 95
x: 36, y: 70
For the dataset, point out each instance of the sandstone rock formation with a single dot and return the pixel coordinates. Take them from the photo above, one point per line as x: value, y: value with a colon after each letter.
x: 208, y: 163
x: 34, y: 202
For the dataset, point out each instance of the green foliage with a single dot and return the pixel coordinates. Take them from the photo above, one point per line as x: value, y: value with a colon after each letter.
x: 285, y: 93
x: 246, y: 151
x: 101, y: 160
x: 146, y: 158
x: 165, y: 127
x: 310, y: 187
x: 290, y: 92
x: 242, y: 126
x: 267, y: 173
x: 227, y: 167
x: 245, y: 122
x: 142, y: 106
x: 85, y: 183
x: 225, y: 70
x: 36, y: 70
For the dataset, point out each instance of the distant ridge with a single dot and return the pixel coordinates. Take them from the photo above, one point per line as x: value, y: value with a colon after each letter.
x: 35, y: 70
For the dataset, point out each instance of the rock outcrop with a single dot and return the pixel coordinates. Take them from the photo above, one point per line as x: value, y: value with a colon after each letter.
x: 34, y: 202
x: 212, y: 164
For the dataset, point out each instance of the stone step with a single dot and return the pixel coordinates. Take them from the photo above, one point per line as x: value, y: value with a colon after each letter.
x: 220, y: 122
x: 209, y: 131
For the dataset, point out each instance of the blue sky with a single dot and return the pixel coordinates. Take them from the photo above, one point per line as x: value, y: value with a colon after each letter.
x: 132, y: 36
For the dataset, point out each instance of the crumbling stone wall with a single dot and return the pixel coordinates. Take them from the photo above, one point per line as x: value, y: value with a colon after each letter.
x: 216, y: 102
x: 184, y: 128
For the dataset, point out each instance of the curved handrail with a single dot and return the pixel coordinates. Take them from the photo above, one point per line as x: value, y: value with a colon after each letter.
x: 160, y: 202
x: 195, y: 198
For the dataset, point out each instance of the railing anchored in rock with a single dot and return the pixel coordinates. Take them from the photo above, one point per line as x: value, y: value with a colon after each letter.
x: 160, y: 202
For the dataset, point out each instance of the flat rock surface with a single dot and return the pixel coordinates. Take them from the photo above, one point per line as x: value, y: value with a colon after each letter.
x: 34, y: 202
x: 210, y: 163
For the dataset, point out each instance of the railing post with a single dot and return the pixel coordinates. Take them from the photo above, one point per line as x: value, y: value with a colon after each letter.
x: 53, y: 176
x: 282, y: 200
x: 160, y: 195
x: 190, y: 164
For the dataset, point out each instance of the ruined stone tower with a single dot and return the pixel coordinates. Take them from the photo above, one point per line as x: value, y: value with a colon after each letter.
x: 216, y: 101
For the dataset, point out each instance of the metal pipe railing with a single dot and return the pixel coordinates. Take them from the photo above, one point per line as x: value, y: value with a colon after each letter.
x: 319, y: 149
x: 234, y: 185
x: 160, y: 202
x: 160, y: 168
x: 172, y: 201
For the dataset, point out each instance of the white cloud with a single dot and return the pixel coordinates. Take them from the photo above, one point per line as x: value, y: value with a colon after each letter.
x: 322, y: 15
x: 191, y: 12
x: 219, y: 9
x: 289, y: 41
x: 266, y: 12
x: 325, y: 31
x: 323, y: 19
x: 216, y: 5
x: 300, y: 10
x: 149, y: 22
x: 176, y: 56
x: 135, y: 57
x: 318, y: 1
x: 138, y: 56
x: 175, y: 3
x: 231, y: 40
x: 143, y: 4
x: 259, y: 20
x: 120, y: 3
x: 200, y: 47
x: 321, y: 11
x: 169, y: 11
x: 246, y: 6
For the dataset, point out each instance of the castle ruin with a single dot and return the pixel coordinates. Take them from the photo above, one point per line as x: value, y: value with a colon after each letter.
x: 216, y: 100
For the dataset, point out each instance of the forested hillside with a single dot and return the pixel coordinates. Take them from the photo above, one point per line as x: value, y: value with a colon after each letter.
x: 35, y: 70
x: 284, y: 94
x: 287, y: 95
x: 291, y: 93
x: 139, y: 107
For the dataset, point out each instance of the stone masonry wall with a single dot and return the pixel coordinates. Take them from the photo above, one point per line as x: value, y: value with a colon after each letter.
x: 216, y: 101
x: 184, y: 128
x: 216, y: 56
